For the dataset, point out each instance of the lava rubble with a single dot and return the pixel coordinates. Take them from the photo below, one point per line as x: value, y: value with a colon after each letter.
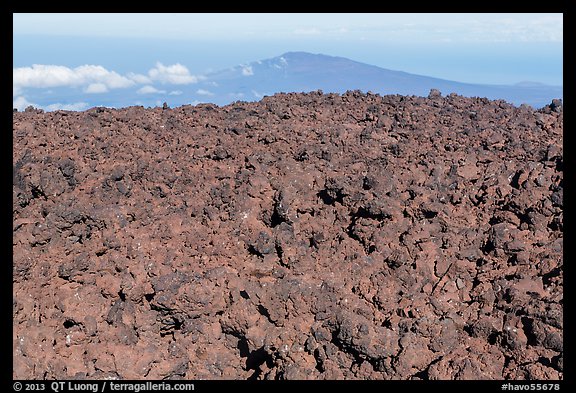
x: 304, y: 236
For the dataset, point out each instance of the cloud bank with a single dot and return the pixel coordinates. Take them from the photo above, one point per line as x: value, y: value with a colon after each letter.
x: 21, y: 103
x: 43, y: 76
x: 94, y: 79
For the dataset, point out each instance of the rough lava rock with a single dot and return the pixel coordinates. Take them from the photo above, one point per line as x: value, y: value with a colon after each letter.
x: 305, y: 236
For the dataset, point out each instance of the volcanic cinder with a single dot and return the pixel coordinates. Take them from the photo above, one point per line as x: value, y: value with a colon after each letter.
x: 305, y: 236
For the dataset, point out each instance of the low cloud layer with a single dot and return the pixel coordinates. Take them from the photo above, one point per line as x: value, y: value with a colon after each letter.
x: 94, y: 79
x: 75, y: 106
x: 21, y: 103
x: 44, y: 76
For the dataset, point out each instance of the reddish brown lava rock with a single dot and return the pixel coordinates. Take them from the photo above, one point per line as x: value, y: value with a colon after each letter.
x: 305, y: 236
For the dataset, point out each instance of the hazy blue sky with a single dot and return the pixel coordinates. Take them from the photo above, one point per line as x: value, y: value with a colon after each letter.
x: 420, y: 28
x: 476, y: 48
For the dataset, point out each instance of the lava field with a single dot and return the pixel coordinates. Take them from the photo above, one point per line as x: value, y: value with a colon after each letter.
x: 304, y: 236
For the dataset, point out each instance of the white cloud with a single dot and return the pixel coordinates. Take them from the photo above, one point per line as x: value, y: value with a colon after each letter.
x: 111, y: 79
x: 42, y: 76
x: 175, y: 74
x: 203, y: 92
x: 76, y: 106
x: 247, y: 70
x: 93, y: 79
x: 150, y: 90
x: 22, y: 103
x: 139, y: 78
x: 257, y: 95
x: 96, y: 88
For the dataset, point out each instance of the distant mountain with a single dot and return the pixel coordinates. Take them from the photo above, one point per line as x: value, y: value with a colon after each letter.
x: 303, y: 72
x: 291, y: 72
